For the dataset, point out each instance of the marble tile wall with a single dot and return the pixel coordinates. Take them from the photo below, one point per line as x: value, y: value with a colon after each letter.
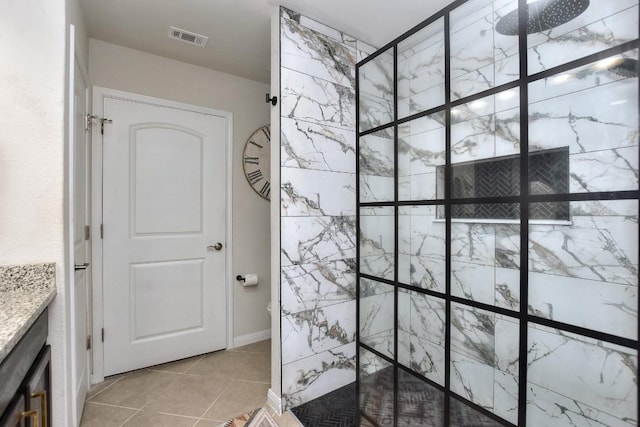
x: 318, y: 223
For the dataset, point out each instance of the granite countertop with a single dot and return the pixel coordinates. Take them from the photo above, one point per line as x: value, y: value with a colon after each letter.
x: 25, y: 291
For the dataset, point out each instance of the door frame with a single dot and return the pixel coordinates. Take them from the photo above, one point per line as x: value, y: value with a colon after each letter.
x: 99, y: 94
x: 70, y: 219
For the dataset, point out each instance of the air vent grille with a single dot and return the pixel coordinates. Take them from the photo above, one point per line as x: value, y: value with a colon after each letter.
x: 188, y: 37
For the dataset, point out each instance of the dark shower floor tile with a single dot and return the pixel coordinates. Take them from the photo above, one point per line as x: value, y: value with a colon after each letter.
x: 336, y: 409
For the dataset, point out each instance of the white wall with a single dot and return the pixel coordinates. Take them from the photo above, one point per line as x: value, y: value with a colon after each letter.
x: 32, y: 115
x: 130, y: 70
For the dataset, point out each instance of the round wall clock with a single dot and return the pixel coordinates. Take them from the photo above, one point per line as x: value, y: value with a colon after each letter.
x: 255, y: 161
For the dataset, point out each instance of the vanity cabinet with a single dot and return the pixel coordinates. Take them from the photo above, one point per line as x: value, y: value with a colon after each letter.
x: 25, y: 375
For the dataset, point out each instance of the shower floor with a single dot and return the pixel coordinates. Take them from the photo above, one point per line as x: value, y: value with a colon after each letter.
x: 419, y: 404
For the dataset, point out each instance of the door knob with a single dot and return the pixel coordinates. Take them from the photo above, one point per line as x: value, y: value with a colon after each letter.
x: 216, y: 247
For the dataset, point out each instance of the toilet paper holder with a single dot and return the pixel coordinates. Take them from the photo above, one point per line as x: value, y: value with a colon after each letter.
x: 239, y: 278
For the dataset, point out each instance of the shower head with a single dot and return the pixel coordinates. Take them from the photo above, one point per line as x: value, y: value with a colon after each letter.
x: 543, y: 15
x: 627, y: 67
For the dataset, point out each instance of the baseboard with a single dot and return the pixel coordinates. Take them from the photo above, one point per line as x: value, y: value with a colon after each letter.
x: 274, y: 402
x: 251, y: 338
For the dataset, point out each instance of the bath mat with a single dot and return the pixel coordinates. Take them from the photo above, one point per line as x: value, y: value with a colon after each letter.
x: 240, y: 421
x: 261, y: 418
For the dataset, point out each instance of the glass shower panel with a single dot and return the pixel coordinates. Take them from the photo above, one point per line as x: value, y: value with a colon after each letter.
x: 485, y: 144
x: 377, y: 171
x: 562, y: 31
x: 377, y: 328
x: 591, y: 112
x: 376, y: 91
x: 484, y: 359
x: 421, y: 70
x: 579, y: 381
x: 421, y: 334
x: 377, y: 241
x: 481, y: 58
x: 421, y: 151
x: 419, y: 404
x: 376, y: 378
x: 485, y: 256
x: 421, y: 247
x: 596, y: 257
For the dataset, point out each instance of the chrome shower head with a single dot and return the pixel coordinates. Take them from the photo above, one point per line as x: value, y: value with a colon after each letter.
x: 627, y: 67
x: 543, y: 15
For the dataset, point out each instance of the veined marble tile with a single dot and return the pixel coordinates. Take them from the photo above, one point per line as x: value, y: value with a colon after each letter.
x: 312, y: 286
x: 381, y: 265
x: 421, y: 70
x: 427, y: 317
x: 377, y: 231
x: 307, y: 192
x: 428, y: 272
x: 507, y: 245
x: 473, y: 282
x: 473, y: 243
x: 507, y: 348
x: 472, y: 380
x: 404, y: 348
x: 314, y: 331
x: 574, y: 120
x: 473, y: 334
x: 311, y: 52
x: 376, y: 91
x: 594, y: 248
x: 546, y: 408
x: 318, y: 27
x: 421, y: 152
x: 312, y: 146
x: 307, y: 240
x: 376, y: 188
x: 605, y: 307
x: 377, y: 153
x: 315, y: 100
x: 377, y: 316
x: 307, y: 379
x: 590, y: 373
x: 370, y: 363
x: 364, y: 50
x: 507, y: 290
x: 603, y: 25
x: 427, y: 359
x: 604, y: 208
x: 605, y: 170
x: 505, y: 396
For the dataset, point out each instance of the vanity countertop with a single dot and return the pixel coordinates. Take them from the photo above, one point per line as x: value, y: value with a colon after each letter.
x: 25, y: 291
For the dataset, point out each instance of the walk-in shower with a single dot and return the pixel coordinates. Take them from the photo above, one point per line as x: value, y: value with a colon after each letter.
x: 498, y: 218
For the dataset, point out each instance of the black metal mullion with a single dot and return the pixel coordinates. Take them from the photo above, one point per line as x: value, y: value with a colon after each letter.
x: 396, y: 245
x: 357, y: 260
x: 447, y: 214
x: 523, y: 17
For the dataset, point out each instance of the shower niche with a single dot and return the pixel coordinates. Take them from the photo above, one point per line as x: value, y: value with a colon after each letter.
x: 498, y: 203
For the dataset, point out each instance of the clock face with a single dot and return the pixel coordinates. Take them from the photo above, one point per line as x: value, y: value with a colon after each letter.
x: 255, y: 161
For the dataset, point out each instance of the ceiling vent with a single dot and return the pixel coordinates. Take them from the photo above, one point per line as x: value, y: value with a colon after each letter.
x: 188, y: 37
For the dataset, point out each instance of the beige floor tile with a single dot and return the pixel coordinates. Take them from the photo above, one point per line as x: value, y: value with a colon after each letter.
x: 97, y: 415
x: 189, y: 395
x: 258, y: 347
x: 136, y: 389
x: 258, y: 368
x: 238, y: 398
x: 100, y: 387
x: 154, y: 419
x: 223, y: 363
x: 209, y: 423
x: 178, y: 367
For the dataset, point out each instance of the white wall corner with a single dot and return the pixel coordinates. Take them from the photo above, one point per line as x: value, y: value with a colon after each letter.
x: 247, y: 339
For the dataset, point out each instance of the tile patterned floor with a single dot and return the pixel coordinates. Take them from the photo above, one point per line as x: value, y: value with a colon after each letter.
x: 202, y: 391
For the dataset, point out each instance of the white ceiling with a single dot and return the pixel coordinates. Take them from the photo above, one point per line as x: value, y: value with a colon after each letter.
x: 239, y: 41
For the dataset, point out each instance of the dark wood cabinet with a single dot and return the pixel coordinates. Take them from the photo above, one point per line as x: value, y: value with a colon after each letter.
x: 25, y: 375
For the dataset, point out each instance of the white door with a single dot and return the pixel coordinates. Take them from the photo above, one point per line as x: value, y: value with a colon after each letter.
x: 79, y: 207
x: 164, y: 233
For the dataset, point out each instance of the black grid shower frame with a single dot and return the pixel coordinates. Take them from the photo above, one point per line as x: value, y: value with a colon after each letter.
x: 524, y: 200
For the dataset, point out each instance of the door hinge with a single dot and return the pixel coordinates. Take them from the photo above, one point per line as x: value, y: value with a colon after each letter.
x: 102, y: 231
x: 87, y: 232
x: 102, y: 334
x: 88, y: 121
x: 88, y: 342
x: 102, y: 121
